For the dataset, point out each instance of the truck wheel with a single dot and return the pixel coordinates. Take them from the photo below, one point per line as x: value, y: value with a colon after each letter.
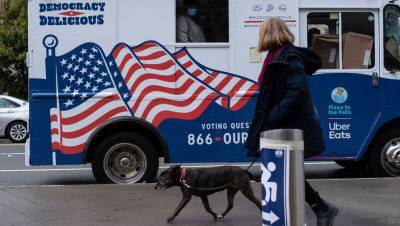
x: 384, y: 159
x: 351, y: 165
x: 17, y: 132
x: 125, y: 158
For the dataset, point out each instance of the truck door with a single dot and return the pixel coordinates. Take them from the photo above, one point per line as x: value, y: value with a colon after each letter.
x: 346, y: 90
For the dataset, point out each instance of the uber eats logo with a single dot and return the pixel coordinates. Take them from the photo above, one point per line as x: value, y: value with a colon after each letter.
x: 72, y: 13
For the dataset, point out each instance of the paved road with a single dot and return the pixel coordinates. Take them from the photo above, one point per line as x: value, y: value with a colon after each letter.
x: 14, y: 173
x: 69, y: 196
x: 362, y: 202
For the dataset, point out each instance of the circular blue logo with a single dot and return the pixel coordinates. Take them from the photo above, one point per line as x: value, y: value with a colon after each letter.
x: 339, y: 95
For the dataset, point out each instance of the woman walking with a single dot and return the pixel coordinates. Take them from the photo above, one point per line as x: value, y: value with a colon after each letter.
x: 284, y: 101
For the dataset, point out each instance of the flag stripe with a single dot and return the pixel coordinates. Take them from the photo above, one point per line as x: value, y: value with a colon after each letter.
x: 94, y: 124
x: 89, y: 111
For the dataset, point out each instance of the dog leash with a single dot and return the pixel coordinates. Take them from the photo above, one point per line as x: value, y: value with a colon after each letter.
x: 255, y: 159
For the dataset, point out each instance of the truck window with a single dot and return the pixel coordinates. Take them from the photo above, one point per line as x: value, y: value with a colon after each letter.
x: 202, y: 21
x: 392, y: 37
x: 356, y: 39
x: 323, y: 37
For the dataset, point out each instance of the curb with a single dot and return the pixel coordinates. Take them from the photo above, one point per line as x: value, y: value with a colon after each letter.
x: 5, y: 141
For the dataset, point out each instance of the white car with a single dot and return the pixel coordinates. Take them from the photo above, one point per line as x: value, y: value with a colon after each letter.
x: 13, y: 119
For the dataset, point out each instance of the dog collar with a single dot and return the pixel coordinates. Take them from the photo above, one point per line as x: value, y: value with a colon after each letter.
x: 183, y: 174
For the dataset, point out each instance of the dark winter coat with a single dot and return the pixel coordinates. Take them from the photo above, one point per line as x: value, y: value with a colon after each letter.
x: 284, y: 100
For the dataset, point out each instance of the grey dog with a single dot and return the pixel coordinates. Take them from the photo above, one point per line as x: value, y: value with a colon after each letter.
x: 206, y: 181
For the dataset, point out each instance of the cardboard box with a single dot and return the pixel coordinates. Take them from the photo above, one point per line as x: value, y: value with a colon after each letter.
x: 327, y: 47
x: 357, y: 50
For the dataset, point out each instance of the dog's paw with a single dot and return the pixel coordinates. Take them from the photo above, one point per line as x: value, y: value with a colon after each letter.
x: 170, y: 219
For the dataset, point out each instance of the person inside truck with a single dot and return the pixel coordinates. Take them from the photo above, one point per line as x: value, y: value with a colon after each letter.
x: 187, y: 30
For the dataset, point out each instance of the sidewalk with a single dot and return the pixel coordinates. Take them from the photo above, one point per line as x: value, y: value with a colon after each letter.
x: 362, y: 202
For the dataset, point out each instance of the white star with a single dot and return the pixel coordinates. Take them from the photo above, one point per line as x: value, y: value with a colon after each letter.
x: 76, y: 92
x: 83, y: 96
x: 69, y: 66
x: 91, y: 56
x: 80, y: 59
x: 69, y: 103
x: 115, y: 74
x: 103, y: 74
x: 99, y: 80
x: 63, y: 62
x: 99, y: 62
x: 94, y: 89
x: 125, y: 95
x: 73, y: 57
x: 72, y: 78
x: 67, y: 89
x: 83, y: 71
x: 87, y: 63
x: 107, y: 84
x: 91, y: 75
x: 76, y: 68
x: 95, y: 69
x: 84, y: 51
x: 120, y: 85
x: 110, y: 63
x: 87, y: 85
x: 94, y: 50
x: 65, y: 75
x: 80, y: 81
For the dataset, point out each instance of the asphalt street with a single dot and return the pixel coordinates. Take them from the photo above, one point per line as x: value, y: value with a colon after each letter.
x: 69, y: 195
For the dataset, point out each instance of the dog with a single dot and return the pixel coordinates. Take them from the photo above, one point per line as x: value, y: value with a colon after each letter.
x: 203, y: 182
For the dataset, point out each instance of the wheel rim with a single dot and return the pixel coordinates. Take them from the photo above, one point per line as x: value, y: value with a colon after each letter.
x: 390, y: 157
x: 125, y: 163
x: 18, y: 132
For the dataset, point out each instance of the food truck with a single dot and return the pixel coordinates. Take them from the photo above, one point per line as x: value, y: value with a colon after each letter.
x: 120, y: 84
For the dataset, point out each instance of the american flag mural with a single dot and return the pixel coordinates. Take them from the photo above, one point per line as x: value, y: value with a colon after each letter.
x: 146, y: 82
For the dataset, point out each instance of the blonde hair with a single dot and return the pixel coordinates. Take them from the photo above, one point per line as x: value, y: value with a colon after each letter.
x: 274, y: 33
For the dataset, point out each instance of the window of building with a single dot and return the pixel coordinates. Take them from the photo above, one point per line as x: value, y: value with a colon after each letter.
x: 4, y: 103
x: 202, y: 21
x: 392, y: 37
x: 344, y: 40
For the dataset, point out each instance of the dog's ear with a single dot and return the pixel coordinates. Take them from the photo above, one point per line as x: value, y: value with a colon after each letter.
x: 176, y: 167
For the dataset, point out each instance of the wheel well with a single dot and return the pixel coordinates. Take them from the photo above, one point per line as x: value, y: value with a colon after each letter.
x: 385, y: 127
x: 9, y: 124
x: 137, y: 126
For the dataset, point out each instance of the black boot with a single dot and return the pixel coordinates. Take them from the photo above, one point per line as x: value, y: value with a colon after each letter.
x: 325, y: 212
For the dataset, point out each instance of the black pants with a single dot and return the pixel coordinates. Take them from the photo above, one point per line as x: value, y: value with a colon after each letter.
x: 312, y: 197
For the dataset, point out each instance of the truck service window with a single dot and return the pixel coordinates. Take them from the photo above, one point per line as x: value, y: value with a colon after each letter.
x: 202, y: 21
x: 356, y: 39
x: 392, y: 37
x: 323, y: 37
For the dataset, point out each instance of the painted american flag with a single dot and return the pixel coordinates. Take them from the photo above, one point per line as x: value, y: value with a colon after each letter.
x: 160, y: 89
x: 145, y: 81
x: 86, y: 98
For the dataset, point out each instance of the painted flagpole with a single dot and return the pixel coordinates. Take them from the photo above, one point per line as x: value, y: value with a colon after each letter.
x: 50, y: 42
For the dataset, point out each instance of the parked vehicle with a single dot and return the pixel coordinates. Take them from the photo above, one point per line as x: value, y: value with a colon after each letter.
x: 111, y: 85
x: 13, y: 119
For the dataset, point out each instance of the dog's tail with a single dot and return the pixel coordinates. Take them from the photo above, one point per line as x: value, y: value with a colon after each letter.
x: 256, y: 178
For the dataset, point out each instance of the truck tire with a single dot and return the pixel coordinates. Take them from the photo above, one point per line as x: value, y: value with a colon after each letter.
x: 351, y: 165
x: 17, y: 132
x: 125, y: 158
x: 384, y: 156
